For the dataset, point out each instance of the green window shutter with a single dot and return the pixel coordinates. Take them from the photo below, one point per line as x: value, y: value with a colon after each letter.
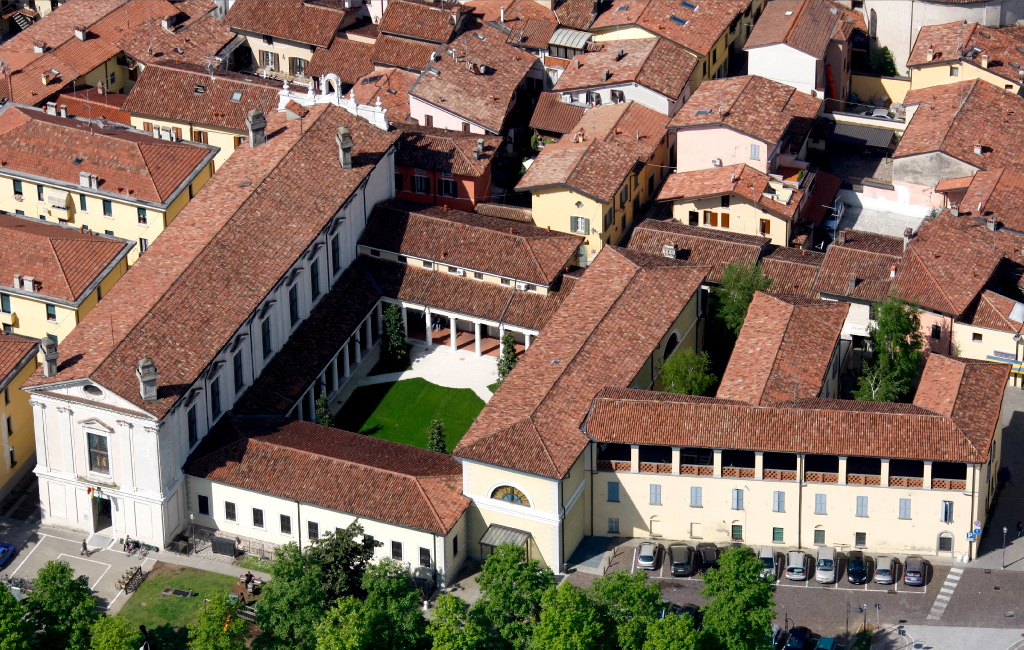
x: 586, y: 226
x: 572, y: 224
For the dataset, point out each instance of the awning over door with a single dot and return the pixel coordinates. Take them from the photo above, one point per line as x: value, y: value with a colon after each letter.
x: 497, y: 535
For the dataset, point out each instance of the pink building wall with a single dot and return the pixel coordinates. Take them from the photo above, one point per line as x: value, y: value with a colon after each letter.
x: 419, y: 110
x: 695, y: 147
x: 943, y: 344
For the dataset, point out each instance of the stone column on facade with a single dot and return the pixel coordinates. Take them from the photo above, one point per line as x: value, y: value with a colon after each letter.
x: 885, y: 473
x: 344, y: 361
x: 405, y: 321
x: 369, y: 333
x: 476, y: 334
x: 676, y: 453
x: 67, y: 440
x: 380, y: 317
x: 526, y: 340
x: 334, y: 373
x: 842, y: 470
x: 718, y: 462
x: 634, y: 459
x: 430, y: 331
x: 39, y: 422
x: 927, y: 483
x: 800, y: 467
x: 758, y: 465
x: 124, y: 444
x: 452, y: 334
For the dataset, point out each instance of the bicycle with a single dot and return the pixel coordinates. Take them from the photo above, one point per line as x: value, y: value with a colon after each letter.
x: 143, y: 553
x: 131, y: 546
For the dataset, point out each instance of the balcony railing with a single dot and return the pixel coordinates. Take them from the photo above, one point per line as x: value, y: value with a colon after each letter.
x: 948, y: 484
x: 616, y: 466
x: 906, y: 481
x: 863, y: 479
x: 738, y: 472
x: 697, y: 470
x: 655, y: 468
x: 779, y: 475
x: 821, y: 477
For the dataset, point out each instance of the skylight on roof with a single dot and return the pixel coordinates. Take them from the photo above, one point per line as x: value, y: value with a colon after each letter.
x: 200, y: 89
x: 623, y: 8
x: 789, y: 13
x: 1020, y: 50
x: 480, y: 36
x: 677, y: 19
x: 703, y: 111
x: 236, y: 96
x: 371, y: 80
x: 689, y: 5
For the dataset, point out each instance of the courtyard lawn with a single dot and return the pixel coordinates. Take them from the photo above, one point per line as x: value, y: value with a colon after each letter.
x: 166, y: 618
x: 401, y: 411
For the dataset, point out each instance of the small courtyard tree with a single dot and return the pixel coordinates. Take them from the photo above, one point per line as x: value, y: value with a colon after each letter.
x: 896, y: 342
x: 741, y: 602
x: 435, y: 437
x: 688, y: 373
x: 507, y: 361
x: 323, y: 411
x: 740, y: 281
x: 113, y: 633
x: 14, y: 629
x: 61, y: 608
x: 218, y: 625
x: 511, y: 588
x: 343, y: 556
x: 395, y: 351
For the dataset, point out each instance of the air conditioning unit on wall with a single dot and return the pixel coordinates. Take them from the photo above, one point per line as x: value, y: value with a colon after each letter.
x: 717, y: 162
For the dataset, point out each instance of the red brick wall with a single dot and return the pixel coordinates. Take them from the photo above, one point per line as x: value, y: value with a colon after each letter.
x: 470, y: 189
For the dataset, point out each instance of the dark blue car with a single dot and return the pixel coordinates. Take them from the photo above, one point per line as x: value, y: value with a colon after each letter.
x: 6, y: 553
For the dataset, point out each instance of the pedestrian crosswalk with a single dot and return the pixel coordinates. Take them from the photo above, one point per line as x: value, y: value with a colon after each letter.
x: 945, y: 593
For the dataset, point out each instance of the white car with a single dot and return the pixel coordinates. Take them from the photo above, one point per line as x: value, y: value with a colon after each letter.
x: 647, y: 556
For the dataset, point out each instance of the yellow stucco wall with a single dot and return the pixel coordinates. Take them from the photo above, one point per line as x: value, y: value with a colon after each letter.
x: 685, y: 328
x: 113, y: 76
x: 938, y: 74
x: 744, y: 217
x: 284, y: 51
x: 443, y: 268
x: 216, y: 136
x: 14, y: 404
x: 627, y: 33
x: 965, y: 345
x: 868, y: 87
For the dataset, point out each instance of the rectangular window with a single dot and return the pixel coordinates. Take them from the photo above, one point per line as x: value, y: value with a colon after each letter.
x: 293, y: 304
x: 193, y: 427
x: 424, y: 557
x: 778, y: 502
x: 257, y: 518
x: 108, y: 232
x: 737, y: 533
x: 478, y: 276
x: 5, y: 303
x: 204, y: 505
x: 314, y: 279
x: 335, y: 255
x: 725, y: 201
x: 766, y: 227
x: 396, y: 551
x: 455, y: 545
x: 201, y: 136
x: 398, y: 181
x: 777, y: 535
x: 936, y: 331
x: 655, y: 494
x: 613, y: 492
x: 215, y: 398
x: 10, y: 427
x: 694, y: 216
x: 447, y: 187
x: 51, y: 313
x: 99, y: 455
x: 695, y: 496
x: 7, y: 396
x: 428, y: 120
x: 422, y: 184
x: 17, y: 187
x: 976, y: 336
x: 954, y: 72
x: 143, y: 219
x: 236, y: 371
x: 904, y: 508
x: 579, y: 225
x: 710, y: 218
x: 10, y: 454
x: 313, y: 530
x: 860, y: 540
x: 39, y: 193
x: 737, y: 499
x: 82, y: 202
x: 613, y: 525
x: 143, y: 245
x: 819, y: 537
x: 108, y: 208
x: 286, y: 525
x: 945, y: 543
x: 465, y: 127
x: 946, y: 514
x: 755, y: 152
x: 695, y: 530
x: 820, y: 504
x: 862, y: 506
x: 268, y: 347
x: 229, y: 511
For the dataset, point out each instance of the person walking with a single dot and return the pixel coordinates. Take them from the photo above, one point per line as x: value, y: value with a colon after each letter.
x: 85, y: 547
x: 1020, y: 529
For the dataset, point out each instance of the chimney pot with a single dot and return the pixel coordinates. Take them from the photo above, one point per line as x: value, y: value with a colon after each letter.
x: 28, y: 283
x: 892, y: 271
x: 168, y: 23
x: 669, y: 251
x: 502, y: 17
x: 620, y: 54
x: 606, y: 75
x: 984, y: 61
x: 147, y: 376
x: 80, y: 32
x: 63, y: 110
x: 931, y: 53
x: 991, y: 224
x: 978, y: 150
x: 51, y: 108
x: 344, y: 140
x: 853, y: 285
x: 908, y: 233
x: 841, y: 239
x: 38, y: 47
x: 954, y: 210
x: 257, y: 125
x: 50, y: 355
x: 94, y: 181
x: 17, y: 280
x: 83, y: 179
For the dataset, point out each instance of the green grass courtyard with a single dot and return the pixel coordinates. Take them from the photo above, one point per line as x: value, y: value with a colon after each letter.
x: 401, y: 411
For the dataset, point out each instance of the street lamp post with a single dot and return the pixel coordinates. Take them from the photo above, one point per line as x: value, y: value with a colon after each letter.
x: 865, y: 610
x: 1004, y: 547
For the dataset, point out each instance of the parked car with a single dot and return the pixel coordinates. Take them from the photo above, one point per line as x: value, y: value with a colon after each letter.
x: 825, y: 567
x: 826, y: 643
x: 797, y: 638
x: 693, y: 611
x: 856, y: 568
x: 767, y: 556
x: 708, y: 556
x: 796, y: 566
x: 680, y: 557
x: 6, y: 554
x: 647, y: 557
x: 885, y: 570
x: 913, y: 574
x: 775, y: 636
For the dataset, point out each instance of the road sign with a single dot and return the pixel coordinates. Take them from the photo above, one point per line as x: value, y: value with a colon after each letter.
x: 977, y: 524
x: 977, y: 531
x: 970, y: 536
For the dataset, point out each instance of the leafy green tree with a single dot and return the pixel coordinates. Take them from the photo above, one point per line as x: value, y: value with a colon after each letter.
x: 218, y: 626
x: 61, y: 608
x: 323, y: 411
x: 14, y: 629
x: 395, y: 350
x: 570, y: 620
x: 342, y: 556
x: 435, y: 437
x: 882, y: 62
x: 631, y: 602
x: 511, y: 588
x: 897, y: 344
x: 343, y: 627
x: 391, y: 617
x: 740, y: 281
x: 454, y: 627
x: 115, y: 633
x: 508, y: 356
x: 741, y: 604
x: 688, y: 373
x: 294, y: 602
x: 674, y: 632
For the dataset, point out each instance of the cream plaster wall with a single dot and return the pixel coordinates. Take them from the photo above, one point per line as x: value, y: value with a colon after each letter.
x: 744, y: 217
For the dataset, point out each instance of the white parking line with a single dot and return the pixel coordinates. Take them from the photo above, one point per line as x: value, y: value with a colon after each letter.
x: 94, y: 562
x: 632, y: 567
x: 27, y: 557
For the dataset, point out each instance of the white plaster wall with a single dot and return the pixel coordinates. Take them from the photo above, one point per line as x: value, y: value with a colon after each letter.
x: 785, y: 65
x: 419, y: 109
x: 633, y: 92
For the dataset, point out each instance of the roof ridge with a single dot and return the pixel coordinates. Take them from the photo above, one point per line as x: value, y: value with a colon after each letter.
x: 543, y: 444
x: 60, y: 266
x: 149, y: 173
x: 801, y: 9
x: 334, y: 458
x: 933, y: 279
x: 430, y: 503
x: 956, y: 114
x: 778, y: 349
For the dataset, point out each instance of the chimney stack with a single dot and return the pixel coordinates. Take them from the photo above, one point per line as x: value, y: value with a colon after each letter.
x: 991, y: 224
x: 978, y: 150
x: 17, y: 280
x: 80, y: 32
x: 63, y: 110
x: 954, y: 210
x: 501, y: 19
x: 28, y: 283
x: 908, y: 234
x: 83, y: 179
x: 606, y: 75
x: 852, y: 286
x: 39, y: 47
x: 51, y: 108
x: 669, y: 251
x: 168, y: 23
x: 148, y: 376
x: 620, y: 54
x: 344, y: 140
x: 94, y: 181
x: 984, y: 61
x: 50, y: 355
x: 892, y: 271
x: 257, y: 125
x: 931, y: 53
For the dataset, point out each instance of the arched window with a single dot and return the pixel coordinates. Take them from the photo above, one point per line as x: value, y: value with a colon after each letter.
x: 671, y: 345
x: 510, y: 494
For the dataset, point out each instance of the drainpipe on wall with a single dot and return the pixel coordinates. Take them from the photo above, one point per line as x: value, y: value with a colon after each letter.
x: 298, y: 522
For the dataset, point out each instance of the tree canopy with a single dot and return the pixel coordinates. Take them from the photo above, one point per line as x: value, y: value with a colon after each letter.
x: 674, y: 632
x: 294, y: 602
x: 631, y: 603
x: 511, y: 589
x: 343, y: 556
x: 61, y: 608
x: 508, y: 359
x: 14, y: 629
x: 688, y: 373
x: 454, y: 626
x: 570, y: 620
x: 897, y: 345
x: 740, y: 281
x: 218, y: 626
x: 741, y: 604
x: 115, y: 633
x: 435, y: 437
x: 392, y: 617
x: 394, y: 348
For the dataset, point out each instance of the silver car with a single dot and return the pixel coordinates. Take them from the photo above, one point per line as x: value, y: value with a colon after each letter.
x: 647, y: 556
x: 796, y: 565
x: 825, y: 567
x: 885, y: 570
x: 767, y: 557
x: 913, y: 575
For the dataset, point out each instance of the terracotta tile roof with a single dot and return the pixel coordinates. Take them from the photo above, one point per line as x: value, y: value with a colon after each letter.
x: 193, y: 42
x: 63, y: 261
x: 502, y: 211
x: 89, y: 103
x: 995, y: 312
x: 294, y: 20
x: 576, y: 14
x: 823, y: 193
x: 172, y: 92
x: 792, y: 271
x: 470, y: 241
x: 598, y: 165
x: 759, y: 107
x: 703, y: 26
x: 445, y: 151
x: 944, y: 269
x: 130, y: 163
x: 391, y: 86
x: 1001, y: 46
x: 1000, y: 192
x: 331, y: 468
x: 414, y: 20
x: 58, y: 26
x: 741, y: 180
x: 951, y: 184
x: 361, y: 28
x: 805, y: 25
x: 552, y: 114
x: 866, y: 258
x: 13, y: 351
x: 534, y: 34
x: 233, y: 243
x: 516, y: 12
x: 815, y: 426
x: 941, y: 124
x: 784, y: 349
x: 532, y: 424
x: 966, y: 390
x: 620, y: 13
x: 655, y: 63
x: 348, y: 59
x: 484, y: 99
x: 392, y: 51
x: 700, y: 246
